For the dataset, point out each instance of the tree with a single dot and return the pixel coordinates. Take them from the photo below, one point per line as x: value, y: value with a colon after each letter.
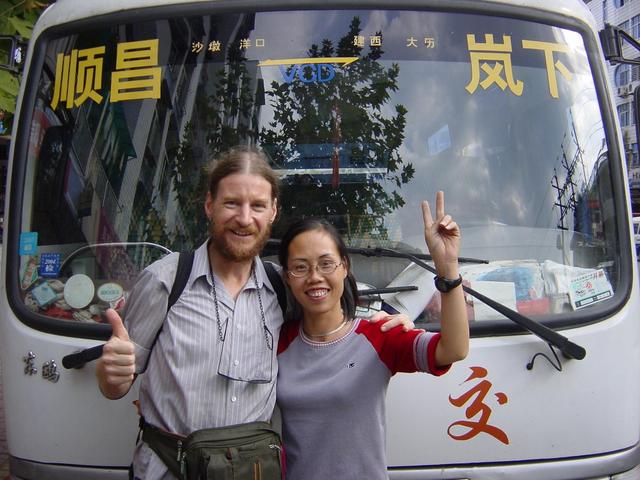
x: 17, y: 18
x: 342, y: 117
x: 226, y: 115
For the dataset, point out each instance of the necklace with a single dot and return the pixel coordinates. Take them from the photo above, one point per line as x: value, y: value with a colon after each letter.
x: 221, y: 335
x: 326, y: 334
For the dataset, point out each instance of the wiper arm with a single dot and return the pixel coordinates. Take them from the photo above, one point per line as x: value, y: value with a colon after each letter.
x: 273, y: 245
x: 566, y: 346
x: 382, y: 291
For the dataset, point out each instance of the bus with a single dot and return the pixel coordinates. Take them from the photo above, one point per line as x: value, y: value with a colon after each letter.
x: 364, y: 108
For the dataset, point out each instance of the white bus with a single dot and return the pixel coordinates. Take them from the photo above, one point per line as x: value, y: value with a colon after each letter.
x: 365, y: 108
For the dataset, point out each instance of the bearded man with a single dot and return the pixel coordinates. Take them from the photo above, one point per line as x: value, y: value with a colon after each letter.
x: 209, y: 361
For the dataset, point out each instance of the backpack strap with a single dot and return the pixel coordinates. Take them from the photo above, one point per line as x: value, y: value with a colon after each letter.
x: 185, y: 263
x: 278, y: 285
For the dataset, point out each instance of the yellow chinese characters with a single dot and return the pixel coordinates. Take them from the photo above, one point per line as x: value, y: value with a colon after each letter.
x: 494, y: 59
x: 374, y: 41
x: 79, y: 75
x: 548, y: 49
x: 137, y: 74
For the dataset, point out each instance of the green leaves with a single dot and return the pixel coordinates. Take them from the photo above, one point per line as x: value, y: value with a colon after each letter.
x: 21, y: 26
x: 17, y: 18
x: 9, y: 87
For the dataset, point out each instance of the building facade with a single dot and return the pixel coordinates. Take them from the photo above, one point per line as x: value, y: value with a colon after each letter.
x: 624, y: 79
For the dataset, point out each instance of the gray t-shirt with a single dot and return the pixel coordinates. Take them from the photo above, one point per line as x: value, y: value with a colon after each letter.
x: 331, y: 396
x: 190, y: 378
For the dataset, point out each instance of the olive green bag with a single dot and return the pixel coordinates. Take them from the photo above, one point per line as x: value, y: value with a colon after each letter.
x: 250, y: 451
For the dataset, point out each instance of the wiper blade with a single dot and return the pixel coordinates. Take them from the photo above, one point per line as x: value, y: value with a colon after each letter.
x: 273, y: 245
x: 566, y: 346
x: 381, y: 291
x: 387, y: 252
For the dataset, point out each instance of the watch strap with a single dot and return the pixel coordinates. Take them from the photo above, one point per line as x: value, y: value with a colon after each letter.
x: 445, y: 285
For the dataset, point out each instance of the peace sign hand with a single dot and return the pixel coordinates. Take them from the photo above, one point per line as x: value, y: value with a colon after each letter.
x: 442, y: 237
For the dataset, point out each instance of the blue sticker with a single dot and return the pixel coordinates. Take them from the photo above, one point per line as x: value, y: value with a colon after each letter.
x: 44, y: 295
x: 49, y: 265
x: 28, y: 243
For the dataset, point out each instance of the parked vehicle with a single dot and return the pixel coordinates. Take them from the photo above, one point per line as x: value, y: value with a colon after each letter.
x: 365, y: 108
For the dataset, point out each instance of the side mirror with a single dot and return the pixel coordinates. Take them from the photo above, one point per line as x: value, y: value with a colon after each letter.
x: 12, y: 53
x: 611, y: 42
x: 613, y: 39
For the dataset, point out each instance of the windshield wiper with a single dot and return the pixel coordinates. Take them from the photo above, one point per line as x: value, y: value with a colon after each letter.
x: 273, y: 245
x: 382, y: 291
x: 566, y: 346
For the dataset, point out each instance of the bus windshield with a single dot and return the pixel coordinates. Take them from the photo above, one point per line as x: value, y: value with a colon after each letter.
x: 363, y: 114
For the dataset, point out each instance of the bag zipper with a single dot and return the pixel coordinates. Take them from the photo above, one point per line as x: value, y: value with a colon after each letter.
x: 181, y: 459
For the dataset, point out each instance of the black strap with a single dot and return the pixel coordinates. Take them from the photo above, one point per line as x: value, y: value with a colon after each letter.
x: 167, y: 446
x: 185, y: 263
x: 278, y: 285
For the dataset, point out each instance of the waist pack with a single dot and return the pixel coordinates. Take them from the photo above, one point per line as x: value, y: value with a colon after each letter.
x: 251, y: 451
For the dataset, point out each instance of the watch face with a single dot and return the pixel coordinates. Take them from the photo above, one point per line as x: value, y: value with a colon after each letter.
x: 444, y: 285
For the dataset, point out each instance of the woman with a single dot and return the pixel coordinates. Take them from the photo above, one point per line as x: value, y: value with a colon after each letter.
x: 334, y: 368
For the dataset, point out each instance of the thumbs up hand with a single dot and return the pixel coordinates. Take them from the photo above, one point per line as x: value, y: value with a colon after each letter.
x: 117, y: 326
x: 116, y: 367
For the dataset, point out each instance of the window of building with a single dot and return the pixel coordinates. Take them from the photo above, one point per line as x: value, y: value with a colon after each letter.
x: 635, y: 26
x: 635, y: 161
x: 622, y: 75
x: 619, y: 3
x: 624, y: 26
x: 624, y: 114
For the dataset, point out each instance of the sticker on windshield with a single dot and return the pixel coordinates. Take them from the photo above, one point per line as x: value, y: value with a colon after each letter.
x: 79, y: 291
x: 589, y: 288
x: 49, y: 265
x: 110, y: 292
x: 28, y: 271
x: 28, y: 243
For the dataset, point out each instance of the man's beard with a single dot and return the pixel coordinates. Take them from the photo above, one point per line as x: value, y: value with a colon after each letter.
x: 235, y: 252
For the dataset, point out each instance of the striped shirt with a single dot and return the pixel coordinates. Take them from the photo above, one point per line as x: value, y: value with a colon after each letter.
x: 191, y: 379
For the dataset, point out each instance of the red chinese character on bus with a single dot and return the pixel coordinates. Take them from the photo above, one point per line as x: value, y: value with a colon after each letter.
x: 477, y: 412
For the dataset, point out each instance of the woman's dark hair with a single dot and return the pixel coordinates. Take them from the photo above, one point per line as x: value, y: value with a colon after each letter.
x: 349, y: 299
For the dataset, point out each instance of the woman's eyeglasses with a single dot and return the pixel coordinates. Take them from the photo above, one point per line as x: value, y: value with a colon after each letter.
x: 302, y: 270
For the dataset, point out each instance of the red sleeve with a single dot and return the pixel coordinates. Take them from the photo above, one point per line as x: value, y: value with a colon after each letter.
x: 288, y: 333
x: 400, y: 351
x: 395, y: 347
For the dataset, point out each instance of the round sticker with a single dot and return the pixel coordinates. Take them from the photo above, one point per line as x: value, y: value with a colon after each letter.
x: 78, y: 291
x: 110, y: 292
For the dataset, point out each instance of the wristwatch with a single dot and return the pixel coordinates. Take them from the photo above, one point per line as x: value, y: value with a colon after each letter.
x: 445, y: 285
